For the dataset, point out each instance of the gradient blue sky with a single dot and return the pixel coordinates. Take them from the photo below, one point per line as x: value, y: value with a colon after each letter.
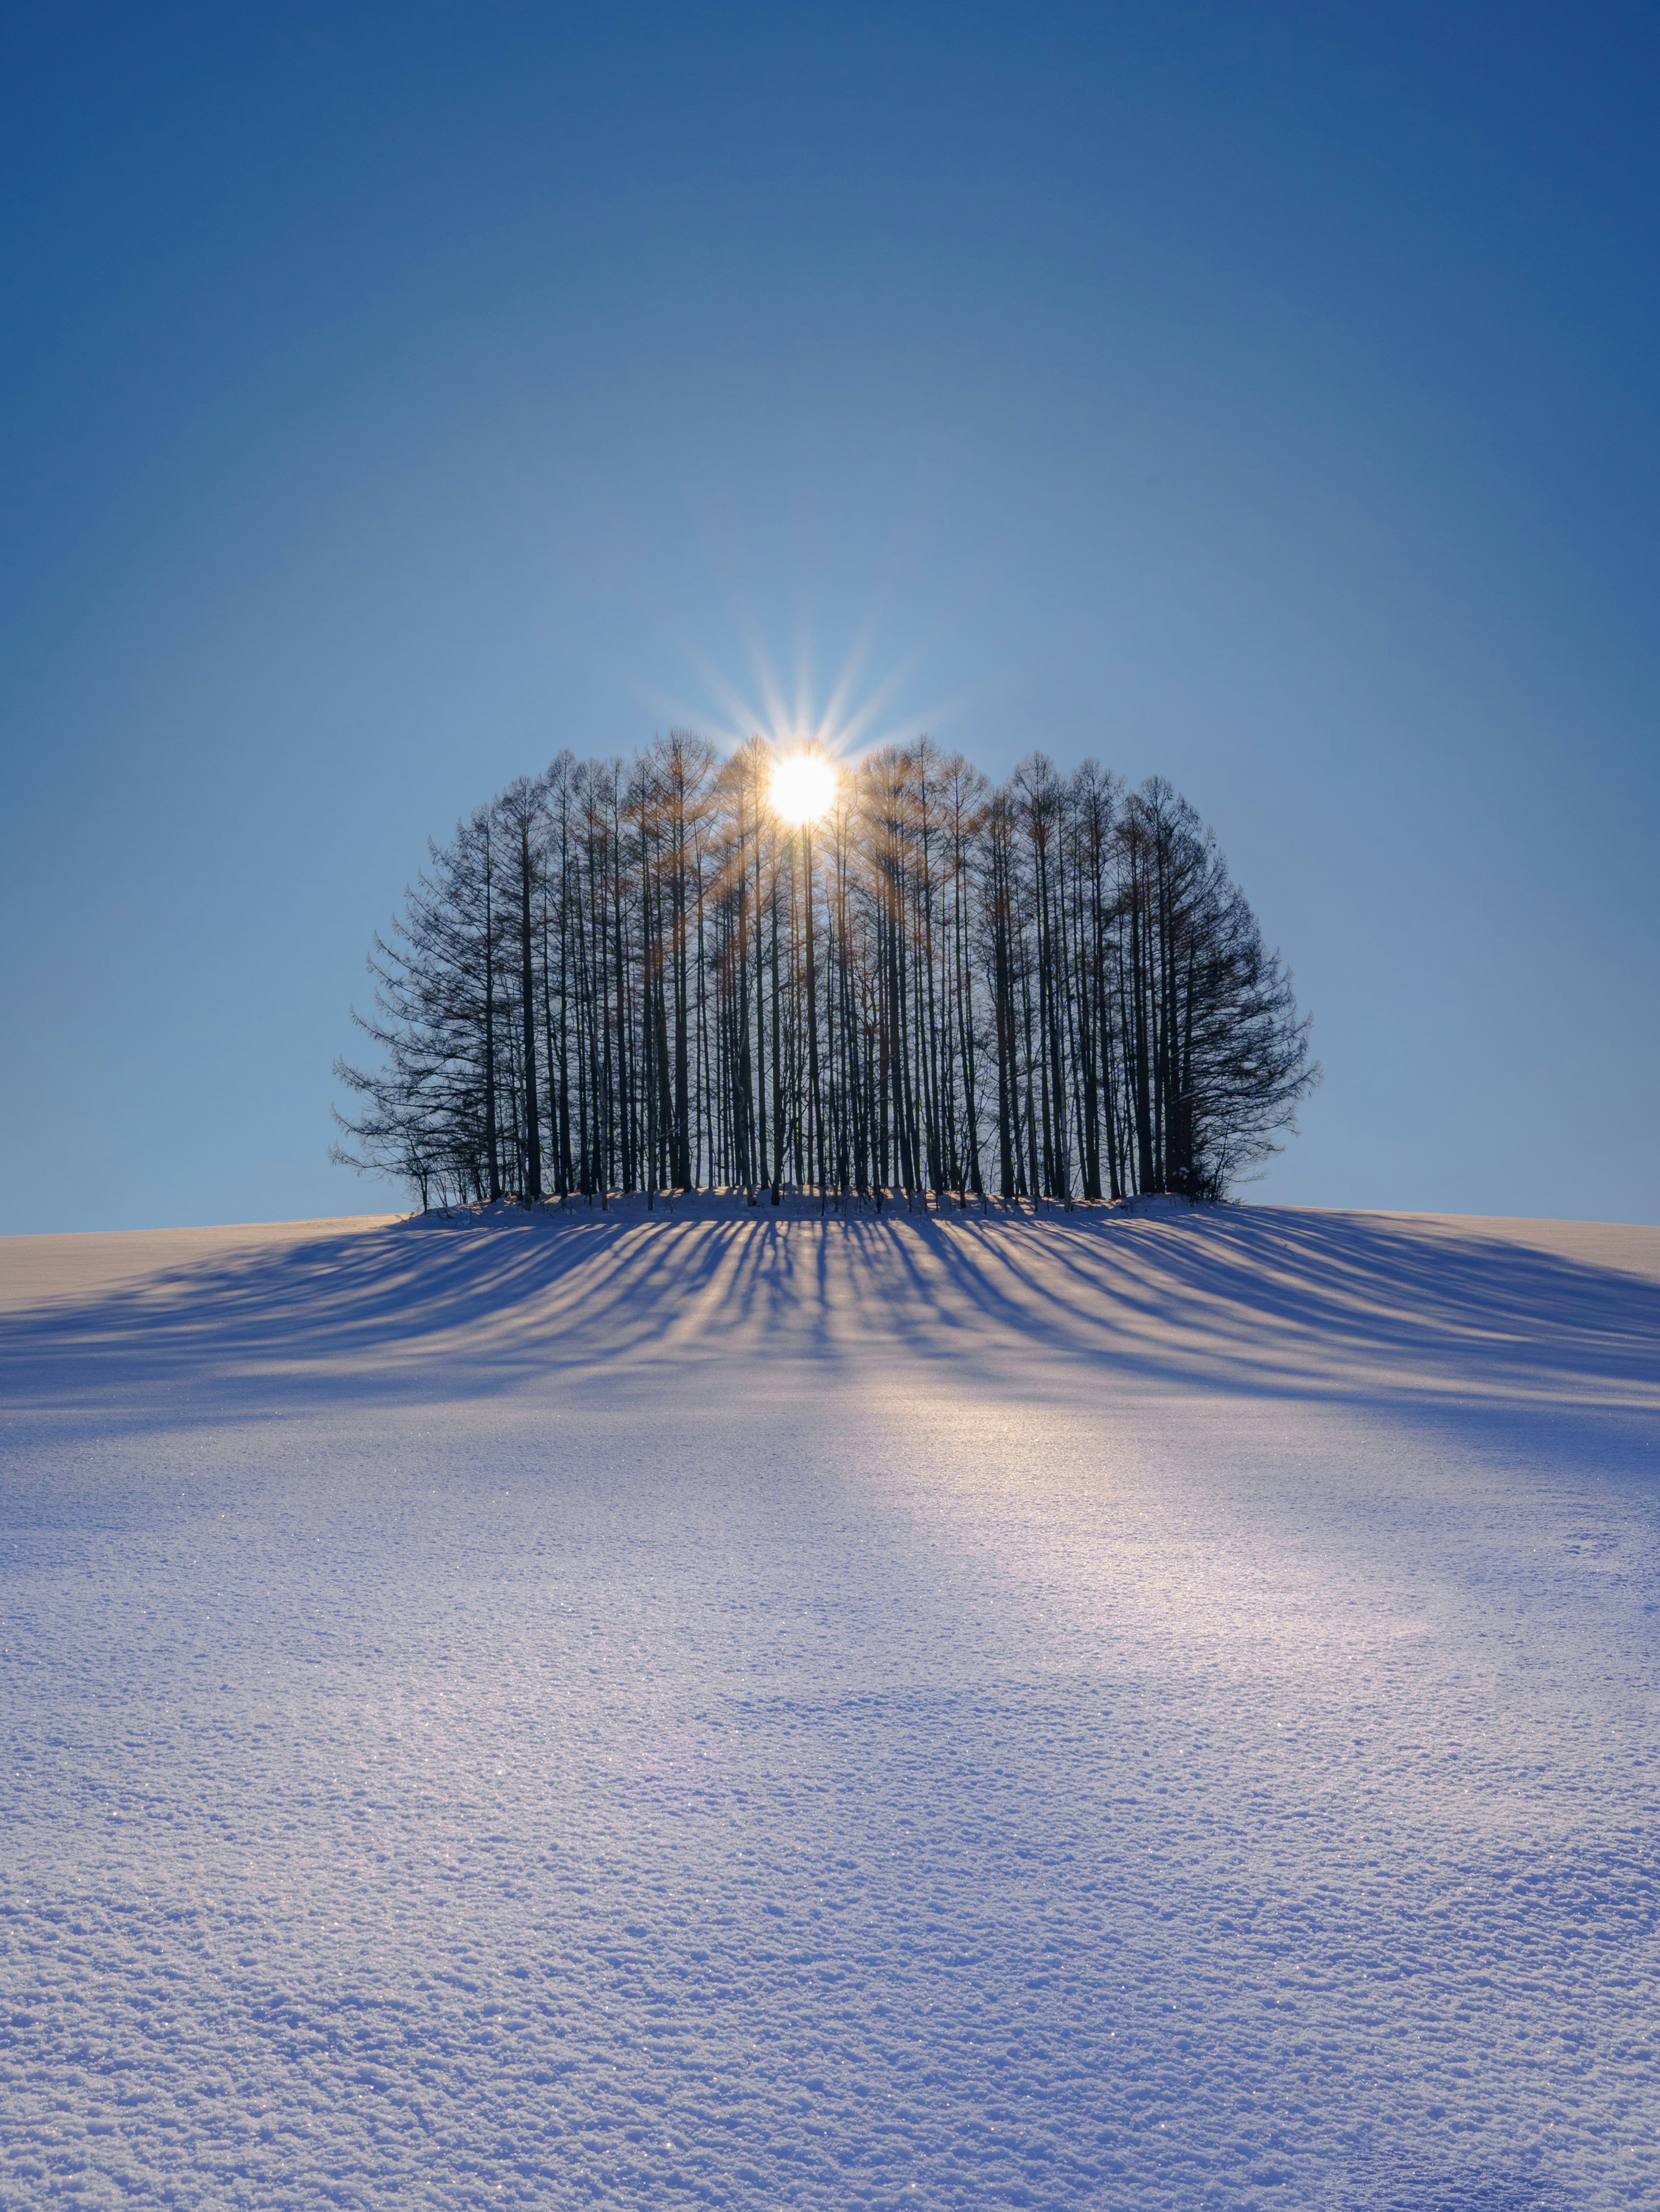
x: 1266, y: 396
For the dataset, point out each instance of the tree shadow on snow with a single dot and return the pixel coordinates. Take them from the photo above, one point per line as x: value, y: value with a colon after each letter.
x: 1342, y: 1307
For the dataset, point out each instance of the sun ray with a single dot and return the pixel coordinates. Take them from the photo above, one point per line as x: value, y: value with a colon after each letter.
x: 857, y: 712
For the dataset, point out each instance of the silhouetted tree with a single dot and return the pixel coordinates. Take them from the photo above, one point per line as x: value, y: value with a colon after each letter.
x: 636, y: 973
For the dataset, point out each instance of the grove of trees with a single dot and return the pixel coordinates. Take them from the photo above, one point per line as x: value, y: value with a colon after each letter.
x: 636, y: 976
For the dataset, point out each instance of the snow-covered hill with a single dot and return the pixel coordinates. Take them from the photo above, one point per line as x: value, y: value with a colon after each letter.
x: 1133, y: 1710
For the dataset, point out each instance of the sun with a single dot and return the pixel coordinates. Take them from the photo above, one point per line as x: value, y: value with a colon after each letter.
x: 803, y: 786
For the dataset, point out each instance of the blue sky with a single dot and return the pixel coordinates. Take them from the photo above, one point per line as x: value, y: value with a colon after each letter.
x: 1263, y: 396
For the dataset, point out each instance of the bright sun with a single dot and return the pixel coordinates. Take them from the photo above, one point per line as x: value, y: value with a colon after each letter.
x: 803, y: 786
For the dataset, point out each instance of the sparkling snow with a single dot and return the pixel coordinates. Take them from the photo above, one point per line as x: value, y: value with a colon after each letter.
x: 1104, y: 1710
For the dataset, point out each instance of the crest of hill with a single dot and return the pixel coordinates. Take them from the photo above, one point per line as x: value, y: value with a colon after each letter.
x: 1382, y: 1306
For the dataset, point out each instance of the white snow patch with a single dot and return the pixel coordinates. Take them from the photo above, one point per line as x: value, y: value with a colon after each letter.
x: 1145, y: 1710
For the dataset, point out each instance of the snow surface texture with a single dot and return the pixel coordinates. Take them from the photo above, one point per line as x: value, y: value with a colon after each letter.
x: 1109, y: 1710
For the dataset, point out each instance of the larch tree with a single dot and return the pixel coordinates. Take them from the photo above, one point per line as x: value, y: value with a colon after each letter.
x: 634, y: 976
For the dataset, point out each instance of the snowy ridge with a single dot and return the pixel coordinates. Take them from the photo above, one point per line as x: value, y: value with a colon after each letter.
x: 1345, y: 1305
x: 1102, y: 1711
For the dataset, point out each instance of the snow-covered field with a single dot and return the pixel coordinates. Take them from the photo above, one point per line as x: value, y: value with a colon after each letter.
x: 1107, y: 1711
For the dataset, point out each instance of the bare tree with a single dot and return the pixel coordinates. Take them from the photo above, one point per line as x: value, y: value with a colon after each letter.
x: 636, y: 973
